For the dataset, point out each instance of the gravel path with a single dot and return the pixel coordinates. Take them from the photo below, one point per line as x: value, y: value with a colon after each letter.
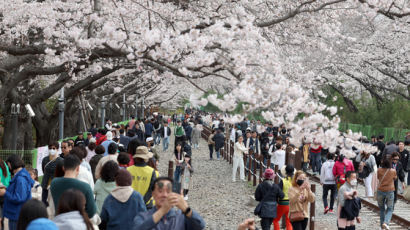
x: 224, y: 204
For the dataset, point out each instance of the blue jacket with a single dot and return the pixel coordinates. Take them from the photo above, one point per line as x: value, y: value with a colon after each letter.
x: 18, y: 192
x: 119, y: 215
x: 173, y: 220
x: 106, y: 144
x: 149, y: 128
x: 188, y: 131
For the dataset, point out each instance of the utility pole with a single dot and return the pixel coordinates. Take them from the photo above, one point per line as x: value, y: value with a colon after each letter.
x: 103, y: 100
x: 124, y: 112
x: 61, y: 106
x: 15, y: 111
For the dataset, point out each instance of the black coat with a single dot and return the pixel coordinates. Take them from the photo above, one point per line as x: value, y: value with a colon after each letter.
x: 219, y: 140
x: 268, y: 193
x: 351, y: 209
x: 161, y: 131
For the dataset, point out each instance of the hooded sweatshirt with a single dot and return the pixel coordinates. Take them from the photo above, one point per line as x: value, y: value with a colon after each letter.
x: 18, y: 192
x: 101, y: 190
x: 70, y: 221
x: 121, y: 198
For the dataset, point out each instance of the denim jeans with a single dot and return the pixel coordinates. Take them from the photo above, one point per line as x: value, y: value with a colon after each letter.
x: 157, y: 138
x: 333, y: 194
x: 385, y: 199
x: 165, y: 143
x: 177, y: 176
x: 218, y: 153
x: 316, y: 162
x: 12, y: 224
x: 211, y: 151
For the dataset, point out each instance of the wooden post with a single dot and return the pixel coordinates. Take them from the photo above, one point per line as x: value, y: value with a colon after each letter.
x: 260, y: 171
x: 276, y: 171
x: 171, y: 169
x: 312, y: 209
x: 254, y: 170
x: 268, y: 165
x: 248, y: 159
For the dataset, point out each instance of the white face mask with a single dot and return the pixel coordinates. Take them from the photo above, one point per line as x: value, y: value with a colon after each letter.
x: 353, y: 182
x: 270, y: 138
x: 52, y: 152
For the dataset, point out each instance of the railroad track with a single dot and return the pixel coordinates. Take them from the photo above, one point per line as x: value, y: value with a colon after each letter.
x: 401, y: 215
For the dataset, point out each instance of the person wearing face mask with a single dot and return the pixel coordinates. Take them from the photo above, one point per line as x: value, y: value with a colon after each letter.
x: 300, y: 196
x: 48, y: 165
x: 347, y: 192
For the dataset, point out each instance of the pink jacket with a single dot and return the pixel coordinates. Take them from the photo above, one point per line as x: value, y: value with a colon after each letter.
x: 338, y: 167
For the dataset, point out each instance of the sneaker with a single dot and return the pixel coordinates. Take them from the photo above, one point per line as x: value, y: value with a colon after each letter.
x: 326, y: 210
x: 233, y: 180
x: 186, y: 197
x: 243, y: 180
x: 385, y: 226
x: 331, y: 211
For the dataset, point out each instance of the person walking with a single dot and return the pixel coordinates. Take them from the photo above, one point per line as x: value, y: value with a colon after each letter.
x: 143, y: 176
x: 18, y: 191
x: 105, y: 184
x: 239, y: 151
x: 327, y: 180
x: 211, y: 144
x: 367, y: 164
x: 385, y: 191
x: 165, y: 133
x: 283, y: 204
x: 219, y: 140
x: 300, y: 196
x: 399, y: 181
x: 196, y: 136
x: 48, y: 165
x: 342, y: 165
x: 186, y: 174
x: 347, y: 192
x: 315, y: 151
x: 267, y: 193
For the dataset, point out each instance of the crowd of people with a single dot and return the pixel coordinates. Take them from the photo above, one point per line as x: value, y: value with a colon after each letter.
x: 108, y: 179
x: 383, y: 169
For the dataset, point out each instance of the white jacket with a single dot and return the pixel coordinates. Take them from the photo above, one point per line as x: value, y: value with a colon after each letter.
x: 240, y: 149
x: 70, y: 221
x: 326, y: 173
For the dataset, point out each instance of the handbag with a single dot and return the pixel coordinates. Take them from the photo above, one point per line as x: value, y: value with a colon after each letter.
x: 341, y: 179
x: 258, y: 209
x: 375, y: 194
x: 296, y: 216
x: 406, y: 193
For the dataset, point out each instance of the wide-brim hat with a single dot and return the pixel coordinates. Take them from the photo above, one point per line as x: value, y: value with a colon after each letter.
x: 283, y: 170
x: 143, y: 153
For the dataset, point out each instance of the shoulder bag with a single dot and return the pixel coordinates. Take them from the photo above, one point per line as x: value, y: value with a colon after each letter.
x: 378, y: 185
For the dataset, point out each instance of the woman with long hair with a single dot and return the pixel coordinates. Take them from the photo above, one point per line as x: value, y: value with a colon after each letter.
x: 300, y: 196
x: 385, y: 191
x: 31, y: 210
x: 71, y: 212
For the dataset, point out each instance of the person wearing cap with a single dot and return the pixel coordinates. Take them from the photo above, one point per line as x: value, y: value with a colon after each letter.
x: 79, y: 140
x: 123, y: 197
x: 164, y: 216
x: 143, y: 175
x: 287, y: 172
x: 267, y: 193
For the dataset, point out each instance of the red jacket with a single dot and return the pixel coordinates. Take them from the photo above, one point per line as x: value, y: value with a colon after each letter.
x: 101, y: 140
x: 339, y: 166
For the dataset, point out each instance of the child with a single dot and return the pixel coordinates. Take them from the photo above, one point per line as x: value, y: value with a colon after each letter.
x: 36, y: 190
x: 123, y: 160
x: 187, y: 171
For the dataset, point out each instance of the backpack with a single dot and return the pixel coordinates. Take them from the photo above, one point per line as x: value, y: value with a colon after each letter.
x: 328, y: 173
x: 364, y: 170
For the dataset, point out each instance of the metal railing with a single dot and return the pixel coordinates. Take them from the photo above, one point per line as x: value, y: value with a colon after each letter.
x: 29, y: 156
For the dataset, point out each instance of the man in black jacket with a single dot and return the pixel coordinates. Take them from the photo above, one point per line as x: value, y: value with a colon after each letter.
x: 219, y: 140
x: 396, y: 164
x: 165, y: 133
